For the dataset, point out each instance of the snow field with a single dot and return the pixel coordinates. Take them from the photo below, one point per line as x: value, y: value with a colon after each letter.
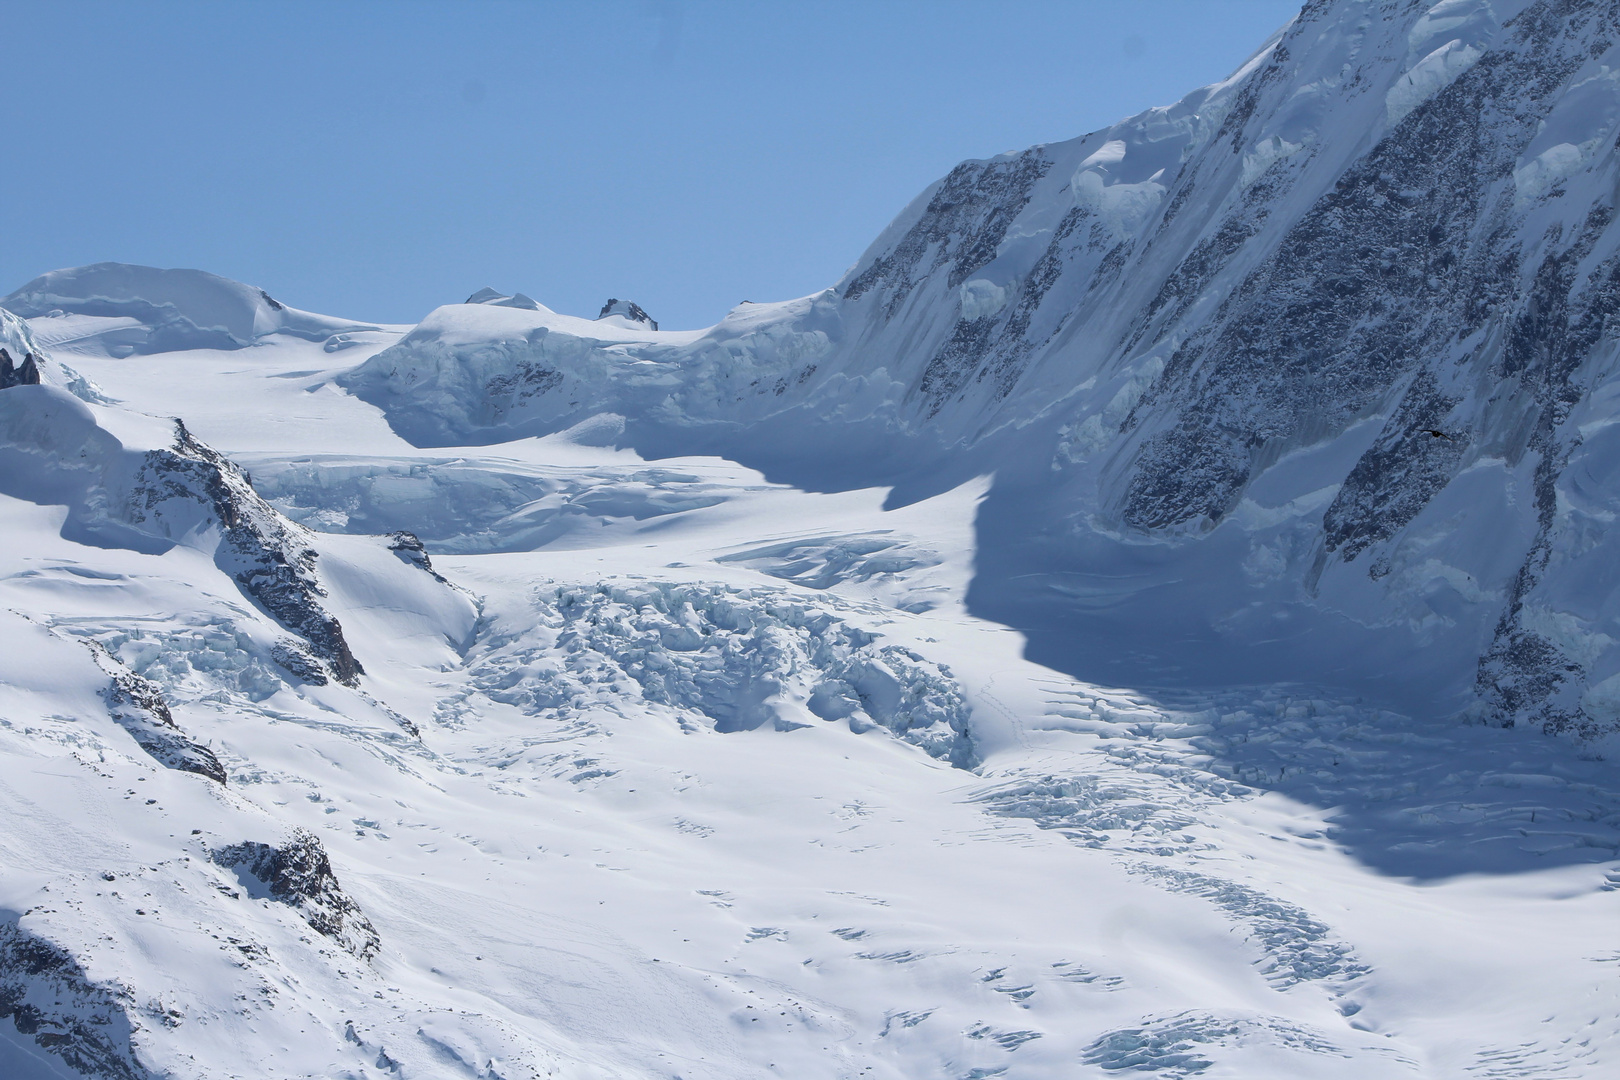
x: 577, y: 869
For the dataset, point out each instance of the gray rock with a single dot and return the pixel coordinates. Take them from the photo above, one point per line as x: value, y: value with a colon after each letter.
x: 298, y: 874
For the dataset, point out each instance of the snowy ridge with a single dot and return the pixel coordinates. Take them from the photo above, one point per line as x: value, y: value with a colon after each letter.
x: 526, y: 695
x: 149, y: 500
x: 144, y: 309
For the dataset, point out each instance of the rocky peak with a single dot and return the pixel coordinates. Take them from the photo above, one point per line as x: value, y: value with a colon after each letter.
x: 24, y: 374
x: 629, y: 312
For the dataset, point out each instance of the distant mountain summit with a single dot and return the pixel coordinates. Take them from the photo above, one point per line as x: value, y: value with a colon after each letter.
x: 164, y: 310
x: 498, y: 299
x: 628, y: 311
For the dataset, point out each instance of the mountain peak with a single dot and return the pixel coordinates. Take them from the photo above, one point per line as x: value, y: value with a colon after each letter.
x: 172, y: 309
x: 493, y: 298
x: 630, y: 312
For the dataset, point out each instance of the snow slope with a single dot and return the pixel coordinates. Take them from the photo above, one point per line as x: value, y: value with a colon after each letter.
x: 523, y: 695
x: 681, y: 791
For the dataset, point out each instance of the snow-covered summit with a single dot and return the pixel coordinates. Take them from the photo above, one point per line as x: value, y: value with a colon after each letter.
x: 151, y: 310
x: 487, y: 295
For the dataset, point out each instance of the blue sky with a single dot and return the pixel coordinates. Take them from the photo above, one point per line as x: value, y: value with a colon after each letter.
x: 374, y: 160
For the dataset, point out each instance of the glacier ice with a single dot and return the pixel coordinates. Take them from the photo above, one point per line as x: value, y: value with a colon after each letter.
x: 1114, y: 628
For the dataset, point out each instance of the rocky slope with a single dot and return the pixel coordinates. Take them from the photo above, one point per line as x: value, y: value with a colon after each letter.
x: 56, y: 450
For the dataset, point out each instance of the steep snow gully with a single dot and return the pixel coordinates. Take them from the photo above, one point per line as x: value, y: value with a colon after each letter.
x: 1156, y: 614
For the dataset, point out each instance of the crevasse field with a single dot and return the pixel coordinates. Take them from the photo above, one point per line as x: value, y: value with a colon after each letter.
x: 524, y: 695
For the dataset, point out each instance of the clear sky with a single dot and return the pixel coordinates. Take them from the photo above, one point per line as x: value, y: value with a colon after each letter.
x: 376, y: 159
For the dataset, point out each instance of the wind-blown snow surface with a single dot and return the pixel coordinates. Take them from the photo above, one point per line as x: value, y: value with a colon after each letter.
x: 459, y: 700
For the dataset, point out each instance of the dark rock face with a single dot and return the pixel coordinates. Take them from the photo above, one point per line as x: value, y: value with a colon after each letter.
x: 299, y: 874
x: 1392, y: 482
x: 1525, y: 676
x: 630, y: 310
x: 138, y: 705
x: 266, y: 555
x: 24, y: 374
x: 997, y: 346
x: 295, y: 659
x: 509, y: 391
x: 965, y: 222
x: 48, y: 996
x: 1395, y: 264
x: 410, y: 549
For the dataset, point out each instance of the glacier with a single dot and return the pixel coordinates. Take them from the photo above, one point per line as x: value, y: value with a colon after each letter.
x: 1153, y: 615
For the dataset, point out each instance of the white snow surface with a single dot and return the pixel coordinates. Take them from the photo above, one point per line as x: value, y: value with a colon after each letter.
x: 681, y: 747
x: 604, y: 826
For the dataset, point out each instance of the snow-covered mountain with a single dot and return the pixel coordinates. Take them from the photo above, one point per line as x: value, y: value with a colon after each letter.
x: 1304, y: 373
x: 521, y: 694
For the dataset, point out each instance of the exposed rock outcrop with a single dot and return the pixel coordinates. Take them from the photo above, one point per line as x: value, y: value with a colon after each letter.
x: 185, y: 492
x: 268, y: 556
x: 23, y: 374
x: 629, y: 311
x: 410, y: 549
x: 46, y: 994
x: 299, y: 874
x: 137, y: 703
